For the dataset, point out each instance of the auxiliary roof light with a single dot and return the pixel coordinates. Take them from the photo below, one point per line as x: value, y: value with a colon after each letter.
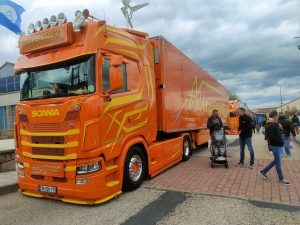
x: 61, y: 18
x: 45, y: 23
x: 38, y: 25
x: 53, y: 21
x: 30, y: 29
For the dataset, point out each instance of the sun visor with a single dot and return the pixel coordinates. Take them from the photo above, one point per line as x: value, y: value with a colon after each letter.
x: 46, y: 39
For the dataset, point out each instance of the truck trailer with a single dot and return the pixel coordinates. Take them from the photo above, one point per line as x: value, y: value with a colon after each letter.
x: 103, y: 108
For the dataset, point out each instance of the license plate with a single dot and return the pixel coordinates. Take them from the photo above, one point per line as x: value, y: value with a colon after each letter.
x: 47, y: 189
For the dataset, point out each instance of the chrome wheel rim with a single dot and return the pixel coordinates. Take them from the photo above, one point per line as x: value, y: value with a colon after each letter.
x: 135, y: 167
x: 186, y: 147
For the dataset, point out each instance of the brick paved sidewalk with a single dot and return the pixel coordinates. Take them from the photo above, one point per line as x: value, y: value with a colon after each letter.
x: 196, y: 175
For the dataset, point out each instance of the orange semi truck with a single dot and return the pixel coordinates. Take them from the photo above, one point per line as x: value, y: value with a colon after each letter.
x: 234, y: 116
x: 103, y: 108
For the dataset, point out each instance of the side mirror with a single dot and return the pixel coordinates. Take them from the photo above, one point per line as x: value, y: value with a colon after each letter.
x: 116, y: 79
x: 116, y: 60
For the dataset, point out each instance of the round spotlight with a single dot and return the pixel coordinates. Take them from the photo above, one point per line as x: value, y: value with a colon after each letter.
x: 45, y: 23
x: 30, y: 29
x: 38, y: 26
x: 53, y: 21
x: 61, y: 18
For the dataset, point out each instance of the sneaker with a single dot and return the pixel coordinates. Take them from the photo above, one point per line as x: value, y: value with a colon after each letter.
x: 284, y: 182
x: 251, y: 166
x: 264, y: 175
x: 240, y: 164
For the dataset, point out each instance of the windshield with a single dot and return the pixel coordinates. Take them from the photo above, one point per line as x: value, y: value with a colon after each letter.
x: 72, y: 77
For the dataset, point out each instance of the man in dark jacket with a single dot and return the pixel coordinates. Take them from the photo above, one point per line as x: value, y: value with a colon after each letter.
x: 288, y: 128
x: 214, y: 123
x: 295, y: 122
x: 245, y: 133
x: 276, y: 143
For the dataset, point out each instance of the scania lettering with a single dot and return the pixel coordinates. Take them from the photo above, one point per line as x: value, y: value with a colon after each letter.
x: 102, y: 108
x: 39, y: 113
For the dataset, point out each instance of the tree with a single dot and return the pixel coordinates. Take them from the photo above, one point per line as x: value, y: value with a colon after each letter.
x: 233, y: 96
x: 290, y: 111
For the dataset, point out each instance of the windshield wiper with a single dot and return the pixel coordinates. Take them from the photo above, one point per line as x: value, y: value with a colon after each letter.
x: 35, y: 98
x: 58, y: 95
x: 49, y: 96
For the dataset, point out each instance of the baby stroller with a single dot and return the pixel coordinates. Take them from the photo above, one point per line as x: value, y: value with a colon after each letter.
x: 218, y: 148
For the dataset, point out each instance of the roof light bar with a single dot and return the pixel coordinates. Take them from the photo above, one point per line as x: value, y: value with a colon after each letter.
x: 38, y: 25
x: 45, y: 23
x: 61, y: 18
x: 30, y: 29
x: 53, y: 21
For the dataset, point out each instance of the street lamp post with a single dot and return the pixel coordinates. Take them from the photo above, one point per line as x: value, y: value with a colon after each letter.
x: 280, y: 99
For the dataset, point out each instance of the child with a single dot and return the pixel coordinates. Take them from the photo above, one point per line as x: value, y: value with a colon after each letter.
x: 257, y: 128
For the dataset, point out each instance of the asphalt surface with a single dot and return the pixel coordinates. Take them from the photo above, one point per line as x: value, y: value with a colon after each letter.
x: 146, y: 206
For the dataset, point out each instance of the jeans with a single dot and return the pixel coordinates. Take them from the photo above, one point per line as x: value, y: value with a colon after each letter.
x: 276, y: 162
x: 248, y: 142
x: 287, y: 145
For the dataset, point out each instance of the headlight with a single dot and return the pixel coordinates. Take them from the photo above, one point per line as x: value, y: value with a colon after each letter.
x: 20, y: 165
x: 89, y: 168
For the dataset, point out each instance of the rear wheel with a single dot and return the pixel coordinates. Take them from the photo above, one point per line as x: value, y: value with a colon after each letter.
x: 186, y: 148
x: 134, y: 169
x: 226, y: 165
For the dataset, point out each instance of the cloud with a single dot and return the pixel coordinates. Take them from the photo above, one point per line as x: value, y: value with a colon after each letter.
x: 247, y: 46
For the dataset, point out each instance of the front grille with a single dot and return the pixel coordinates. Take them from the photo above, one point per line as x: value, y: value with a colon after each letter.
x: 60, y: 180
x: 37, y: 177
x: 72, y: 115
x: 23, y: 118
x: 49, y: 151
x: 48, y: 140
x: 46, y: 127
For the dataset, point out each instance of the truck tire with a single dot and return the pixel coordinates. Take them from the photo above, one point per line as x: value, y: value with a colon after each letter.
x: 134, y: 169
x: 186, y: 148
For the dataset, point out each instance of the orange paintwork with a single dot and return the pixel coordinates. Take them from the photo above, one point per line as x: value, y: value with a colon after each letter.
x: 172, y: 96
x: 234, y: 116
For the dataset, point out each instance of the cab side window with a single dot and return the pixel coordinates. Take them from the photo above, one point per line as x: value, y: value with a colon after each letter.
x: 105, y: 77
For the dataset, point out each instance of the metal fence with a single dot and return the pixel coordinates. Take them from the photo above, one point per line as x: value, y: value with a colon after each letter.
x: 7, y: 123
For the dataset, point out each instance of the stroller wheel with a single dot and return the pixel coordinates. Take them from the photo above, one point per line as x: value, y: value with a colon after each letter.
x: 212, y: 165
x: 226, y: 165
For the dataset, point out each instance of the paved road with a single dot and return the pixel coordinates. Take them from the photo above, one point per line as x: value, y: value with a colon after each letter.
x: 145, y: 206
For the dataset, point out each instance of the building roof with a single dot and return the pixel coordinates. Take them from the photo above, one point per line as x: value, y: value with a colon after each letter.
x: 290, y: 101
x: 9, y: 63
x: 263, y: 110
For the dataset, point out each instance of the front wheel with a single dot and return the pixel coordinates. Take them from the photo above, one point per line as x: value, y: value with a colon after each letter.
x: 186, y: 148
x: 134, y: 169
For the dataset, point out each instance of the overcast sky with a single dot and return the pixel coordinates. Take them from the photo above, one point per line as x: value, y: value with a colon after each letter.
x: 247, y: 45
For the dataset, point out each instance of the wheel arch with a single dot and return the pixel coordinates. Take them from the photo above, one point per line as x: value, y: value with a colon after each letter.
x: 139, y: 141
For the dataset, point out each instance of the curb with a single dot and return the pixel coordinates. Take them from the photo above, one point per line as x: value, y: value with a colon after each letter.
x: 7, y: 150
x: 9, y: 188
